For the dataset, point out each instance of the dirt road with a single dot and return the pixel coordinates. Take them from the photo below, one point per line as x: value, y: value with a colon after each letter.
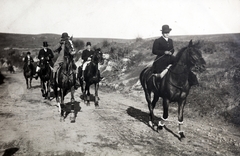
x: 30, y: 126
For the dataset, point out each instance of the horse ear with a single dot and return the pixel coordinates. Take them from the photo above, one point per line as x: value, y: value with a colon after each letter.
x: 190, y: 43
x: 71, y: 37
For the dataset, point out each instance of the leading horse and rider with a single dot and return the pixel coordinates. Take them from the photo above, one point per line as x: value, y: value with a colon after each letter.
x: 170, y: 77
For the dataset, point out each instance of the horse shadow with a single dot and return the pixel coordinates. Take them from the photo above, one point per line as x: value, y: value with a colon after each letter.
x: 92, y: 97
x: 68, y: 107
x: 10, y: 151
x: 144, y: 118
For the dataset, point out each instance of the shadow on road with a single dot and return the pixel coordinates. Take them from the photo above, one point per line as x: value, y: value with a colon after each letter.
x: 140, y: 115
x: 10, y: 151
x: 92, y: 97
x: 144, y: 117
x: 67, y: 108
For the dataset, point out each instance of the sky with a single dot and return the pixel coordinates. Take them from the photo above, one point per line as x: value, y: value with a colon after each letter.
x: 125, y: 19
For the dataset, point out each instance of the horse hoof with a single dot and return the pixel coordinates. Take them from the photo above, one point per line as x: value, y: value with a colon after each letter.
x: 150, y: 123
x: 181, y: 135
x: 159, y: 127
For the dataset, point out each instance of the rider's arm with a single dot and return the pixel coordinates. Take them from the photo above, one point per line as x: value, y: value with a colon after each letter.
x: 57, y: 47
x: 50, y: 54
x: 157, y: 48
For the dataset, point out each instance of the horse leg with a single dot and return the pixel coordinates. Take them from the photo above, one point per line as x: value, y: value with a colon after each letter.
x: 27, y: 82
x: 30, y: 83
x: 42, y: 88
x: 165, y: 113
x: 87, y: 88
x: 150, y: 107
x: 62, y: 103
x: 181, y: 105
x: 72, y: 115
x: 48, y: 90
x: 96, y: 94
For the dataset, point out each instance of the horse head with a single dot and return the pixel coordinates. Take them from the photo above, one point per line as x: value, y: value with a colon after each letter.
x: 98, y: 57
x: 196, y: 60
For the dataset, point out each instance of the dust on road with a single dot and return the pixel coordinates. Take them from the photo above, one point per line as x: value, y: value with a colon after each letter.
x: 30, y: 125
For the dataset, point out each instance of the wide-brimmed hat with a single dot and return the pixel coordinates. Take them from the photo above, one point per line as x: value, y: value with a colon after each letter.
x: 45, y: 44
x: 166, y: 29
x: 88, y: 43
x: 65, y: 35
x: 28, y: 53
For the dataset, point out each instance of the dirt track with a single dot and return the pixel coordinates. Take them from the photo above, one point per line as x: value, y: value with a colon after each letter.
x: 30, y: 126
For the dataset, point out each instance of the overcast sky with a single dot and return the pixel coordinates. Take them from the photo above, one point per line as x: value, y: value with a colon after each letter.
x: 119, y: 18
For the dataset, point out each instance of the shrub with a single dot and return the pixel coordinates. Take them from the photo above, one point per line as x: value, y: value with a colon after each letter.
x: 78, y: 44
x: 139, y: 39
x: 105, y: 44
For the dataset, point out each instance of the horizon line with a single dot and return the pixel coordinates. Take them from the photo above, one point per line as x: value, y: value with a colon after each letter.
x: 116, y: 38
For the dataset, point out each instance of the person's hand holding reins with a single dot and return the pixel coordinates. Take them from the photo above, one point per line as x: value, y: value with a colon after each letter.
x: 168, y: 52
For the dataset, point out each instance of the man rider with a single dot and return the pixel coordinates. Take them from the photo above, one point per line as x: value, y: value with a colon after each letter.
x: 60, y: 47
x: 27, y: 58
x: 47, y: 54
x: 163, y: 48
x: 86, y: 57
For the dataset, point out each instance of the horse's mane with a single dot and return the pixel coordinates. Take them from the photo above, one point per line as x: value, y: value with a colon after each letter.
x: 179, y: 54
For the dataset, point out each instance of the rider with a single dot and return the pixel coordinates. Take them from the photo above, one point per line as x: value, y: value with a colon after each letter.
x: 27, y: 58
x: 163, y: 48
x: 86, y: 57
x: 60, y: 49
x: 47, y: 54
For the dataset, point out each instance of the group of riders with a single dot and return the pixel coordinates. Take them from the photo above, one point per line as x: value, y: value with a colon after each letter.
x: 162, y: 47
x: 48, y: 55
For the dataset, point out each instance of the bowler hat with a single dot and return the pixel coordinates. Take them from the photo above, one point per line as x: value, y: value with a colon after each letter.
x: 88, y: 43
x: 45, y: 44
x: 166, y: 29
x: 64, y: 35
x: 28, y: 53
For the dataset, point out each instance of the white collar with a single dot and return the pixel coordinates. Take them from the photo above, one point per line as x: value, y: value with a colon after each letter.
x: 165, y: 38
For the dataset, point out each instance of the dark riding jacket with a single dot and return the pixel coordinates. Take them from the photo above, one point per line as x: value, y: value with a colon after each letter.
x: 46, y: 54
x: 26, y: 59
x: 86, y: 53
x: 160, y: 45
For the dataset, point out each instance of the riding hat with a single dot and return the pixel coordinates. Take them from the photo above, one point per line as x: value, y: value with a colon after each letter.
x: 166, y: 29
x: 88, y: 43
x: 28, y: 53
x: 65, y: 35
x: 45, y: 44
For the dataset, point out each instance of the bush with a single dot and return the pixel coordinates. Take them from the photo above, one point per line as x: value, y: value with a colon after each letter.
x: 105, y: 44
x: 139, y: 39
x: 78, y: 44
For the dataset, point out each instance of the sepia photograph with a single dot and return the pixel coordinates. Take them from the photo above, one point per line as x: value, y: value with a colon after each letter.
x: 119, y: 78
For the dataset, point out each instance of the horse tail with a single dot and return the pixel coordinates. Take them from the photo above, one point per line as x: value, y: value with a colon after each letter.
x: 144, y: 76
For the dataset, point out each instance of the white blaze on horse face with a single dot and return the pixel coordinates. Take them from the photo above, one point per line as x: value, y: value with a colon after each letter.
x: 72, y: 48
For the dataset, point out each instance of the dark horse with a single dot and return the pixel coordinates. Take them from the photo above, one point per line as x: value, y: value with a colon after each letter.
x: 45, y: 75
x: 10, y: 68
x: 174, y: 86
x: 28, y: 73
x: 91, y: 76
x: 64, y: 81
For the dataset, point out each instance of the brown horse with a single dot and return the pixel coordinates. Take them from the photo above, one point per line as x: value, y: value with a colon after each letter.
x: 174, y: 86
x: 28, y: 73
x: 45, y: 75
x: 91, y: 76
x: 64, y: 81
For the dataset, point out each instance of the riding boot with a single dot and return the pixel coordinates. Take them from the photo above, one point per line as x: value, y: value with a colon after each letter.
x: 192, y: 79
